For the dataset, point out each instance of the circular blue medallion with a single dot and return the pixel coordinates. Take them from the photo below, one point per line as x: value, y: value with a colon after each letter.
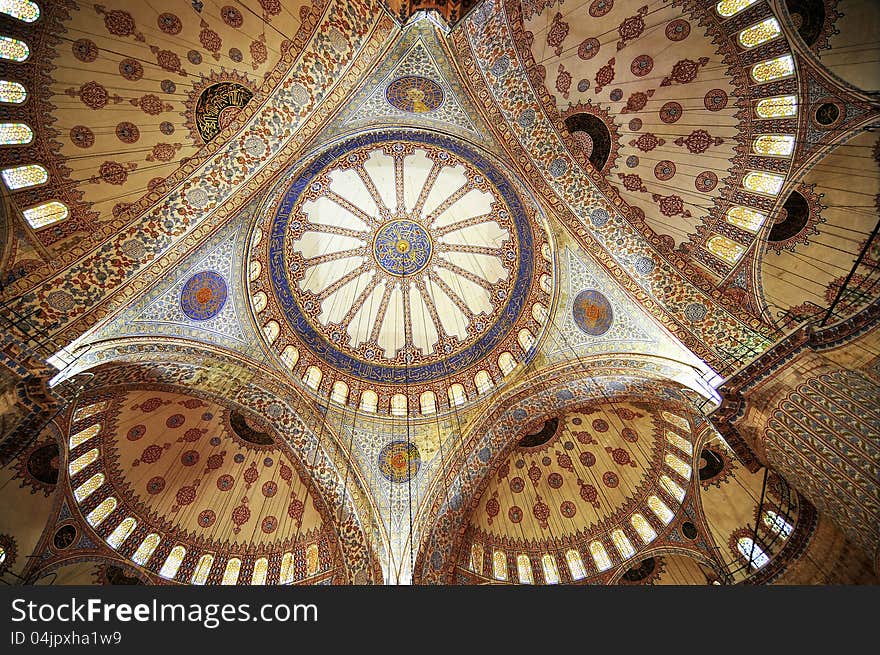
x: 414, y: 94
x: 402, y: 247
x: 399, y: 461
x: 203, y: 295
x: 592, y: 312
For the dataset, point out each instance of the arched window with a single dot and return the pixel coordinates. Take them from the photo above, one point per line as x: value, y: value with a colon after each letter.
x: 313, y: 563
x: 339, y: 394
x: 289, y: 356
x: 260, y: 300
x: 230, y: 574
x: 15, y: 134
x: 751, y: 552
x: 203, y: 568
x: 622, y: 543
x: 777, y: 107
x: 254, y: 269
x: 82, y: 461
x: 271, y: 330
x: 745, y: 218
x: 646, y: 533
x: 88, y: 487
x: 476, y: 563
x: 22, y: 177
x: 145, y: 550
x: 399, y: 405
x: 761, y: 182
x: 121, y: 532
x: 678, y: 421
x: 101, y: 512
x: 12, y: 92
x: 524, y: 569
x: 24, y: 10
x: 84, y: 435
x: 678, y: 466
x: 778, y: 524
x: 369, y: 401
x: 456, y: 395
x: 773, y: 69
x: 526, y: 340
x: 261, y: 570
x: 759, y: 33
x: 89, y: 410
x: 725, y: 249
x: 506, y: 363
x: 13, y: 49
x: 672, y: 487
x: 483, y: 381
x: 575, y: 564
x: 46, y: 214
x: 545, y: 281
x: 548, y: 565
x: 286, y: 569
x: 499, y: 565
x: 774, y: 145
x: 428, y: 402
x: 172, y: 562
x: 660, y: 509
x: 539, y: 313
x: 679, y: 442
x: 312, y: 377
x: 600, y: 557
x: 727, y: 8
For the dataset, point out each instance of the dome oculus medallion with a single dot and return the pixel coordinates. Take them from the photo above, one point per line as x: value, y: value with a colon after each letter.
x: 398, y: 258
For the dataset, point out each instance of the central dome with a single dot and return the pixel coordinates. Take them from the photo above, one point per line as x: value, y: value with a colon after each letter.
x: 400, y: 258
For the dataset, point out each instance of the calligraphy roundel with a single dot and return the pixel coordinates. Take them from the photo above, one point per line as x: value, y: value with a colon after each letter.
x: 414, y: 94
x: 399, y: 461
x: 203, y: 295
x: 592, y: 312
x: 217, y: 106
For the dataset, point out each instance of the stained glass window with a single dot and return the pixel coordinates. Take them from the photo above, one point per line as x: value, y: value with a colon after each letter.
x: 761, y: 182
x: 679, y: 442
x: 203, y: 568
x: 674, y: 490
x: 260, y: 299
x: 339, y: 394
x: 83, y: 461
x: 773, y: 69
x: 678, y: 466
x: 15, y: 134
x: 230, y: 575
x: 676, y: 420
x: 254, y: 270
x: 46, y: 214
x: 752, y: 552
x: 120, y: 532
x: 173, y: 562
x: 12, y: 92
x: 289, y: 356
x: 2, y: 554
x: 456, y: 395
x: 23, y: 10
x: 482, y: 381
x: 88, y: 487
x: 312, y: 378
x: 575, y: 564
x: 398, y: 405
x: 89, y: 410
x: 286, y: 569
x: 13, y: 49
x: 145, y: 550
x: 524, y: 569
x: 660, y: 509
x: 539, y: 313
x: 643, y: 528
x: 774, y: 145
x: 369, y: 401
x: 271, y: 330
x: 728, y: 8
x: 499, y: 565
x: 778, y: 107
x: 747, y: 219
x: 312, y: 561
x: 777, y: 524
x: 101, y: 512
x: 526, y: 340
x: 551, y: 573
x: 428, y: 402
x: 759, y: 33
x: 476, y: 564
x: 22, y: 177
x: 506, y: 363
x: 600, y: 557
x: 84, y: 435
x: 261, y: 570
x: 545, y: 283
x: 622, y: 543
x: 724, y: 248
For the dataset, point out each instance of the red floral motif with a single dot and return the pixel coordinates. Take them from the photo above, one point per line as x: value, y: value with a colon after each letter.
x: 620, y: 456
x: 295, y: 509
x: 169, y: 23
x: 631, y: 28
x: 564, y: 461
x: 151, y: 104
x: 155, y: 485
x: 215, y: 461
x: 190, y: 458
x: 269, y: 524
x: 175, y: 421
x: 81, y: 136
x: 119, y: 23
x: 207, y: 518
x: 492, y: 508
x: 637, y: 101
x: 600, y: 425
x: 269, y: 489
x: 517, y: 484
x: 163, y: 152
x: 678, y: 30
x: 93, y: 95
x: 625, y: 413
x: 706, y: 181
x: 588, y: 48
x: 589, y: 493
x: 136, y: 432
x: 699, y: 141
x: 557, y: 33
x: 554, y: 480
x: 503, y: 471
x: 647, y: 142
x: 150, y: 405
x: 271, y: 7
x: 127, y: 132
x: 568, y: 509
x: 632, y: 182
x: 515, y: 514
x: 240, y: 516
x: 232, y: 16
x: 210, y: 40
x: 193, y: 434
x: 113, y: 172
x: 584, y: 437
x: 629, y: 435
x: 664, y: 170
x: 534, y: 474
x: 259, y: 53
x: 131, y: 69
x: 85, y: 50
x: 715, y: 100
x: 605, y: 75
x: 599, y: 8
x: 167, y: 60
x: 587, y: 458
x: 225, y: 482
x: 251, y: 474
x: 671, y: 205
x: 671, y: 112
x: 285, y: 472
x: 684, y: 71
x: 641, y: 65
x: 563, y: 81
x: 151, y: 454
x: 541, y: 511
x: 610, y: 479
x: 185, y: 495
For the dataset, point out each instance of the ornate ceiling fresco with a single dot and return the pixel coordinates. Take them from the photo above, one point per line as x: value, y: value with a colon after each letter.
x: 349, y: 292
